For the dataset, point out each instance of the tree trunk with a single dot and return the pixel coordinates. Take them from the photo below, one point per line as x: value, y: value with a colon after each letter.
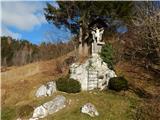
x: 80, y: 40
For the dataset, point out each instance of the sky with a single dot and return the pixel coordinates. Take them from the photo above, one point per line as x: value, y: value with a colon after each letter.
x: 25, y: 20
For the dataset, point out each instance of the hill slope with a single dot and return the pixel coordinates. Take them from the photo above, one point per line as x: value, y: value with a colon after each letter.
x: 20, y: 83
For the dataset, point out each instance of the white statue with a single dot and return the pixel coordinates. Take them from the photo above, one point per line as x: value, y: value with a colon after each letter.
x: 97, y: 34
x: 97, y: 40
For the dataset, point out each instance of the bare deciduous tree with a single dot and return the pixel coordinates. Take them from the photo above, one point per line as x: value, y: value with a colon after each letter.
x: 146, y: 28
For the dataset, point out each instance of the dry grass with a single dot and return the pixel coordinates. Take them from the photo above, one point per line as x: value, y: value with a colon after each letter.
x: 20, y: 83
x: 146, y: 87
x: 137, y: 77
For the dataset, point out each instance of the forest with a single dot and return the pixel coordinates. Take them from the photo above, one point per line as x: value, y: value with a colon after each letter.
x: 21, y: 52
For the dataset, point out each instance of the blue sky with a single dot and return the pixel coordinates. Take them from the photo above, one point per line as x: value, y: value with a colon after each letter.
x: 25, y: 20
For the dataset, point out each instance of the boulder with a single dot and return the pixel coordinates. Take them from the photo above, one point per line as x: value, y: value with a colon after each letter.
x: 46, y: 90
x: 89, y: 109
x: 42, y: 91
x: 51, y: 88
x: 55, y: 105
x: 49, y: 107
x: 39, y: 112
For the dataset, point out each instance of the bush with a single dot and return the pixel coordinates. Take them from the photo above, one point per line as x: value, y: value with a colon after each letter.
x: 68, y: 85
x: 107, y: 55
x: 118, y: 83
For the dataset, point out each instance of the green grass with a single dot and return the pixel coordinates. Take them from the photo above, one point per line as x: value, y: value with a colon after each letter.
x: 110, y: 105
x: 8, y: 113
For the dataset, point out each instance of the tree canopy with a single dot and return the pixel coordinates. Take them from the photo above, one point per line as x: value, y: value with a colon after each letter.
x: 71, y: 13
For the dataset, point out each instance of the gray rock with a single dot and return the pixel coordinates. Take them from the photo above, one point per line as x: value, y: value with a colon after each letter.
x: 55, y: 105
x: 41, y: 91
x: 39, y: 112
x: 46, y: 90
x: 50, y: 107
x: 89, y: 109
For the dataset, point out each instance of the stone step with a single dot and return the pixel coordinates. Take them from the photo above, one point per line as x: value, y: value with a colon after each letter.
x: 92, y: 87
x: 93, y: 81
x: 92, y: 84
x: 92, y: 77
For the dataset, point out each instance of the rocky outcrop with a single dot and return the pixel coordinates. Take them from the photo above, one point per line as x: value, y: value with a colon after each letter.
x: 85, y: 73
x: 89, y: 109
x: 50, y: 107
x: 46, y: 90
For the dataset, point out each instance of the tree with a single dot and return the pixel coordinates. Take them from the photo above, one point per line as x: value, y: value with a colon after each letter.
x: 76, y: 15
x: 146, y: 27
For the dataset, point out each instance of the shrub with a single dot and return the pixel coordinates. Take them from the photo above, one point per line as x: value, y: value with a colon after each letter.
x: 68, y: 85
x: 118, y: 83
x: 107, y: 54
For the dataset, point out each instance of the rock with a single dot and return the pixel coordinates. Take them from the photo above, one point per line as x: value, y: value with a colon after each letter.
x: 94, y: 64
x: 89, y: 109
x: 39, y: 112
x: 51, y: 88
x: 49, y: 108
x: 41, y: 91
x: 46, y: 90
x: 55, y: 105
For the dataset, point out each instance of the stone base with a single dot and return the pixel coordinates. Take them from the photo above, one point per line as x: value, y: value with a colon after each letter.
x: 80, y: 72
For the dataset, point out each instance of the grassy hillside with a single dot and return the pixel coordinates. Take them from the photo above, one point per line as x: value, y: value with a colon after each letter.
x: 20, y: 83
x: 110, y: 105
